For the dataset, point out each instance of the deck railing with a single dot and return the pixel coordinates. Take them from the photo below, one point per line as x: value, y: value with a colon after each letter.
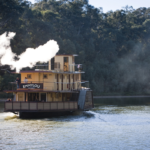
x: 41, y: 106
x: 57, y: 67
x: 53, y: 86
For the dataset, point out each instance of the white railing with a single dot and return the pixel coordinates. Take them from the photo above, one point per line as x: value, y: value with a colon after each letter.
x: 75, y: 67
x: 54, y: 86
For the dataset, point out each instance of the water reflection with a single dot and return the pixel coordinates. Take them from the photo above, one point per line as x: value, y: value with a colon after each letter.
x: 122, y: 101
x: 105, y: 127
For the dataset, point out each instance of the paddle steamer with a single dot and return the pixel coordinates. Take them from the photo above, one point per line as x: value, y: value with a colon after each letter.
x: 58, y: 88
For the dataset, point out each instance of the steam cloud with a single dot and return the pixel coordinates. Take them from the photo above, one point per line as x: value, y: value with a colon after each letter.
x: 28, y: 58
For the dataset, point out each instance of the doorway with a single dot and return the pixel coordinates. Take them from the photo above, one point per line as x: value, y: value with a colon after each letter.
x: 66, y: 63
x: 43, y: 97
x: 33, y: 97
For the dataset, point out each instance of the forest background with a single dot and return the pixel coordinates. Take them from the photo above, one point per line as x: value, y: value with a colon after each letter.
x: 114, y: 47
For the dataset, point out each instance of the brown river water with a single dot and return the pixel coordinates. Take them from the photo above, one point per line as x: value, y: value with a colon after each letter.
x: 106, y: 127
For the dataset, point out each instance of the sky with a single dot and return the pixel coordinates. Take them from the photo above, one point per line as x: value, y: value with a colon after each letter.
x: 113, y: 5
x: 108, y: 5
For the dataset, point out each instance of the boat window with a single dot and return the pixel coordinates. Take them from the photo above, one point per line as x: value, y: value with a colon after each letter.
x: 65, y: 59
x: 29, y: 76
x: 57, y: 65
x: 56, y: 95
x: 33, y: 97
x: 20, y: 97
x: 66, y: 63
x: 43, y: 97
x: 45, y: 76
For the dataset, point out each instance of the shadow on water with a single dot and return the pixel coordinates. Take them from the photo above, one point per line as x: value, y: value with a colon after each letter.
x: 60, y: 115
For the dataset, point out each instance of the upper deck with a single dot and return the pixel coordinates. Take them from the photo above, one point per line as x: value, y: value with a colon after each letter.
x: 62, y: 74
x: 64, y: 63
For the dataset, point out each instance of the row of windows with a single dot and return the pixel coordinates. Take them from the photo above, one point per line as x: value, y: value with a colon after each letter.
x: 45, y: 76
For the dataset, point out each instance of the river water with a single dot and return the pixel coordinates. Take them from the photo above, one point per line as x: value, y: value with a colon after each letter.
x: 108, y: 127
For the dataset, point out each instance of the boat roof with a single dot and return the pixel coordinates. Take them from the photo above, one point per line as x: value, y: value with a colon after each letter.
x: 66, y: 55
x: 47, y: 71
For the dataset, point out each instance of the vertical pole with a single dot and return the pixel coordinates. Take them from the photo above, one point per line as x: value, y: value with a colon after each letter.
x: 73, y: 81
x: 43, y: 80
x: 57, y: 83
x: 62, y: 81
x: 69, y: 82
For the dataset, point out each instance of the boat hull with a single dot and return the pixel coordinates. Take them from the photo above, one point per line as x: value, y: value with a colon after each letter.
x: 35, y: 115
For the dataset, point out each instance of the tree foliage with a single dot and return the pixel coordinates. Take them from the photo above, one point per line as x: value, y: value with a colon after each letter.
x: 114, y: 47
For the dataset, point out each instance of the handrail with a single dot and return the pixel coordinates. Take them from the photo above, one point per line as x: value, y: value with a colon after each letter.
x: 50, y: 82
x: 62, y: 86
x: 75, y: 67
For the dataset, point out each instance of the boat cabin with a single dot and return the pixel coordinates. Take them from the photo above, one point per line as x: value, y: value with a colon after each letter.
x: 58, y: 87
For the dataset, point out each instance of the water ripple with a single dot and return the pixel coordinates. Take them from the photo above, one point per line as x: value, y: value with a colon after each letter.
x: 105, y: 128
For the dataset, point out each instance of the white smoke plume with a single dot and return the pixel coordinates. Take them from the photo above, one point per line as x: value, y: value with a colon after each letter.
x: 28, y: 58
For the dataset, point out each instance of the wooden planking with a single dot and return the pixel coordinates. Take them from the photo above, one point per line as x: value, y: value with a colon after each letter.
x: 47, y: 106
x: 60, y: 106
x: 35, y: 106
x: 71, y: 105
x: 24, y: 106
x: 16, y: 106
x: 8, y: 106
x: 40, y: 106
x: 53, y: 105
x: 66, y: 105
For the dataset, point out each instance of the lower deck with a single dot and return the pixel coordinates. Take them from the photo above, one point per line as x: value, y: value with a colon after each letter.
x: 40, y: 106
x: 45, y: 96
x: 48, y: 102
